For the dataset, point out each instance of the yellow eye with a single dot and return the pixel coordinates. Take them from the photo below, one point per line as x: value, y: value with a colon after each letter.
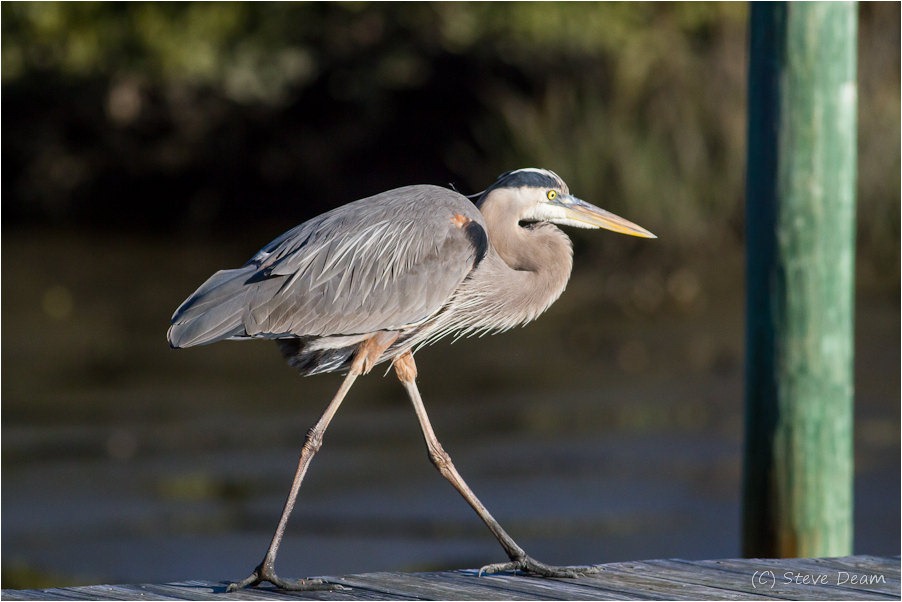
x: 552, y: 194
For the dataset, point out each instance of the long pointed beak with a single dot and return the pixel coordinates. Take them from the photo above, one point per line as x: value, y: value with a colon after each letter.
x: 585, y: 215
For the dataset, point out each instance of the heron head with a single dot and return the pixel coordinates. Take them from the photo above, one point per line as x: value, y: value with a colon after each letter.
x: 541, y: 195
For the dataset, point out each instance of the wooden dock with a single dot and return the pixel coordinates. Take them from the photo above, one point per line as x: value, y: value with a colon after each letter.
x: 848, y: 578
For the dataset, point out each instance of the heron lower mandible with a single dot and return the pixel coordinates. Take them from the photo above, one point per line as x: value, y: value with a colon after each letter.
x: 376, y: 279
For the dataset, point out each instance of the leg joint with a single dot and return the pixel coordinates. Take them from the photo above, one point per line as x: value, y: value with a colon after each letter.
x: 314, y: 440
x: 370, y: 350
x: 405, y: 367
x: 441, y: 460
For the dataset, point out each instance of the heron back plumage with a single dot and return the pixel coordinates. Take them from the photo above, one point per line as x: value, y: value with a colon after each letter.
x: 387, y: 262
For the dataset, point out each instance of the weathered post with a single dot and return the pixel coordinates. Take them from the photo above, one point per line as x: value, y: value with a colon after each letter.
x: 800, y: 212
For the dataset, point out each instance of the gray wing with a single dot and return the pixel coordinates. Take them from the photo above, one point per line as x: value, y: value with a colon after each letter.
x: 386, y: 262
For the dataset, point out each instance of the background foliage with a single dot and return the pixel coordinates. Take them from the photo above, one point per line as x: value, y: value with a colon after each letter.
x: 204, y: 115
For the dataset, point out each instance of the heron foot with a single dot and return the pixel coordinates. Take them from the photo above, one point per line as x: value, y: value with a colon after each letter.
x: 531, y: 566
x: 266, y: 572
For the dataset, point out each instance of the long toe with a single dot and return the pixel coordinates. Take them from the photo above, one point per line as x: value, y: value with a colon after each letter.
x: 298, y: 585
x: 251, y: 581
x: 531, y: 566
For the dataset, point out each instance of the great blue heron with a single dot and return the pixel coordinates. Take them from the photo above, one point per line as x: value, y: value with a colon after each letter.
x: 376, y: 279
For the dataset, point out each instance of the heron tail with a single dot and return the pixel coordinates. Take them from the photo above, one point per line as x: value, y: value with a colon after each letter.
x: 214, y: 311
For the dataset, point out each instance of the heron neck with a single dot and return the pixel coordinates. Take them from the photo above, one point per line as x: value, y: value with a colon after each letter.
x: 519, y: 277
x: 527, y: 271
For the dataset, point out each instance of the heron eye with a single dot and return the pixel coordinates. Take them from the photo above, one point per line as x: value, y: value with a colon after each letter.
x: 552, y: 194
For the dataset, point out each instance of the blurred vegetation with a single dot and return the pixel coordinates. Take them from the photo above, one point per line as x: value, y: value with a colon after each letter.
x: 198, y: 116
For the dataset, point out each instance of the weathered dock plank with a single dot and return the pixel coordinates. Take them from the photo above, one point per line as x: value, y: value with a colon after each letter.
x: 681, y: 580
x: 848, y: 578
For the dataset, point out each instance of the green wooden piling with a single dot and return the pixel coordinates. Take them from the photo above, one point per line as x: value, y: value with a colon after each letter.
x: 800, y: 212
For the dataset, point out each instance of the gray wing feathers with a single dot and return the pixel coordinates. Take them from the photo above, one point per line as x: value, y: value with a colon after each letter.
x: 382, y: 263
x: 214, y: 312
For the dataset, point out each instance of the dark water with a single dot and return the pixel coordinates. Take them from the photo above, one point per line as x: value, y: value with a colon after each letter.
x: 608, y: 430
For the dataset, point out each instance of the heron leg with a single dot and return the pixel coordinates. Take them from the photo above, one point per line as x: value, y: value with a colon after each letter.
x: 364, y: 359
x: 406, y: 370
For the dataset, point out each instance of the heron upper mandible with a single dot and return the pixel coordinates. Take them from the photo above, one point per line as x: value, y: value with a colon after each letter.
x: 374, y: 280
